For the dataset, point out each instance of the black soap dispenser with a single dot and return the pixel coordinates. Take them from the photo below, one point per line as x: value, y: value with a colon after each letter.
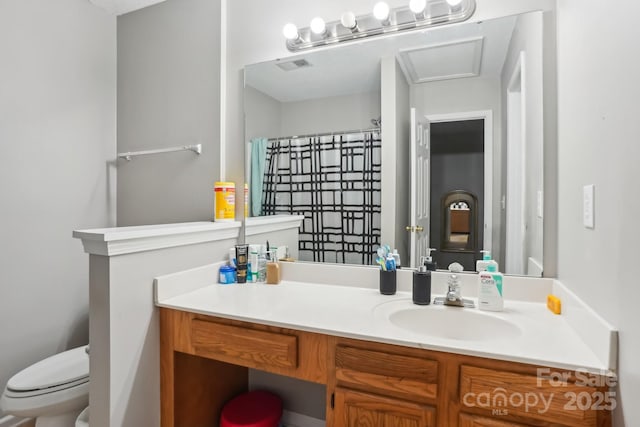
x: 428, y: 261
x: 422, y: 284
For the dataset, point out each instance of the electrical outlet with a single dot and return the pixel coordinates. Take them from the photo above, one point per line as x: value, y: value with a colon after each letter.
x: 588, y: 206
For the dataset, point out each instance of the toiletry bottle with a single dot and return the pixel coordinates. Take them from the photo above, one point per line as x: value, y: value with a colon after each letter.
x: 422, y: 284
x: 253, y: 263
x: 490, y: 293
x: 396, y: 257
x: 429, y: 262
x: 242, y: 261
x: 262, y: 265
x: 481, y: 265
x: 273, y: 269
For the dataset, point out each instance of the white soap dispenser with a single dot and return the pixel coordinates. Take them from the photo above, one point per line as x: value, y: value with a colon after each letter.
x: 481, y: 264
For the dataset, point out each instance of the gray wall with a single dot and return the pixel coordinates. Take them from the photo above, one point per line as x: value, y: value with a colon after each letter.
x: 598, y: 131
x: 57, y: 135
x: 268, y: 117
x: 329, y: 114
x: 169, y: 95
x: 262, y: 114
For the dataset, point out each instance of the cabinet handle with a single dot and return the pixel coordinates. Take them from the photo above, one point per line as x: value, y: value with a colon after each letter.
x: 333, y: 400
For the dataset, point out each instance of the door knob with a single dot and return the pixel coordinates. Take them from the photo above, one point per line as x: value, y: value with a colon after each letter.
x: 419, y: 228
x: 414, y: 228
x: 409, y: 228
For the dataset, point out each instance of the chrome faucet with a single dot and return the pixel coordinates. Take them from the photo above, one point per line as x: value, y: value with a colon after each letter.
x: 454, y: 297
x: 453, y: 294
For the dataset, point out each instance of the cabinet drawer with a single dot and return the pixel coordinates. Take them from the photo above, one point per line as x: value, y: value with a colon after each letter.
x: 357, y: 409
x: 466, y: 420
x: 387, y: 373
x: 524, y: 396
x: 243, y: 346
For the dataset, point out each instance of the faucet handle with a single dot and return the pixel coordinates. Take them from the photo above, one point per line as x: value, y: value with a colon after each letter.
x: 455, y: 267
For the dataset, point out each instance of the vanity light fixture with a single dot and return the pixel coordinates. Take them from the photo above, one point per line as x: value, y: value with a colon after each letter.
x: 454, y: 4
x: 417, y: 15
x: 381, y: 13
x: 290, y: 32
x: 417, y: 7
x: 318, y: 26
x: 349, y: 21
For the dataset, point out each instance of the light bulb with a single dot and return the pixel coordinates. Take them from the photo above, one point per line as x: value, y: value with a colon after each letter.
x: 381, y: 11
x: 290, y: 31
x: 454, y: 3
x: 348, y: 20
x: 318, y: 26
x: 417, y: 6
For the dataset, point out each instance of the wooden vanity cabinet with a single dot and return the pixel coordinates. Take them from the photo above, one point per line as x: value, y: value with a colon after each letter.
x: 205, y: 360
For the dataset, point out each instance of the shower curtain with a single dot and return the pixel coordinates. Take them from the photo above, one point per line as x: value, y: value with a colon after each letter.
x: 334, y: 181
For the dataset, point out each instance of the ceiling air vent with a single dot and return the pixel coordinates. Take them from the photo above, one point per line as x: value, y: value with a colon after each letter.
x: 293, y: 65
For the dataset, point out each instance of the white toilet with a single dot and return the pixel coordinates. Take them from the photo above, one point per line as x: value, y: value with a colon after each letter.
x: 53, y: 391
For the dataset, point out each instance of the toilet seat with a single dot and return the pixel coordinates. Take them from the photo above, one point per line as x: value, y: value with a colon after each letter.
x: 54, y: 385
x: 70, y: 366
x: 38, y: 392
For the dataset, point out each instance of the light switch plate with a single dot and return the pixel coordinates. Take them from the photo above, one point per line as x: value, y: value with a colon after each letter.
x: 588, y: 206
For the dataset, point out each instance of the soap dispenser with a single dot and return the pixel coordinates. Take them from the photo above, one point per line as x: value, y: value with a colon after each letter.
x: 481, y: 265
x: 422, y: 284
x: 428, y: 261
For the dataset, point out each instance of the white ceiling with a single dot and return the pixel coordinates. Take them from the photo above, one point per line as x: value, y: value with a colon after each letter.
x: 354, y: 68
x: 118, y: 7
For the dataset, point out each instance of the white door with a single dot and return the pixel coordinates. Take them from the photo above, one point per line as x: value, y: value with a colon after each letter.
x: 420, y: 187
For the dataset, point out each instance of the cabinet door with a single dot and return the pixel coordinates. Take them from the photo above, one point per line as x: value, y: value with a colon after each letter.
x: 467, y: 420
x: 357, y: 409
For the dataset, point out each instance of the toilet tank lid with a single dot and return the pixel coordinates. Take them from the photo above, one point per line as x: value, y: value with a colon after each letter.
x: 66, y: 367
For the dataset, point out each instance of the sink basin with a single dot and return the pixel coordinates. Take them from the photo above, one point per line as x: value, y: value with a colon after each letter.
x: 454, y: 323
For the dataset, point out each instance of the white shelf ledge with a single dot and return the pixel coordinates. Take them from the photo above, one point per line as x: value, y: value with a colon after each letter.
x: 265, y: 224
x: 125, y: 240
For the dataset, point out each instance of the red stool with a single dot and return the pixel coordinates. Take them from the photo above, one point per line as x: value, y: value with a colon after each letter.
x: 253, y: 409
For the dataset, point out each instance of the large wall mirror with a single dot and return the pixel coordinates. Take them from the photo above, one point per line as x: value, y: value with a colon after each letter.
x: 432, y: 138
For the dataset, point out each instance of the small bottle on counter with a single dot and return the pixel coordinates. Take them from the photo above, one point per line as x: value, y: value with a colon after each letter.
x: 262, y: 265
x: 273, y: 269
x: 242, y: 260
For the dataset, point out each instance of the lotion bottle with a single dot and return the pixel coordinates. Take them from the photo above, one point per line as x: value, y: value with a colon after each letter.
x: 490, y: 295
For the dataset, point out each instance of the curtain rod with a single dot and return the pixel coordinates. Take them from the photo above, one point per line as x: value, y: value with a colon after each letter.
x: 342, y: 132
x: 197, y: 148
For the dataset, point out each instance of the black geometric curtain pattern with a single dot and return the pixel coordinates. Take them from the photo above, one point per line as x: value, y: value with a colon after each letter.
x: 334, y: 181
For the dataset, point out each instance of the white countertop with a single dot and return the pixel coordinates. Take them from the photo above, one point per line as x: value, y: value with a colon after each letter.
x: 546, y: 339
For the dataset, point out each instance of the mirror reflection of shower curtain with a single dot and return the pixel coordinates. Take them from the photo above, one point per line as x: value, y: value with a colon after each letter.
x: 334, y: 181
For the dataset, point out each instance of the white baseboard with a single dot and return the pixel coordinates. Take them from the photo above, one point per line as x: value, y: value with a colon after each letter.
x: 11, y: 421
x: 293, y: 419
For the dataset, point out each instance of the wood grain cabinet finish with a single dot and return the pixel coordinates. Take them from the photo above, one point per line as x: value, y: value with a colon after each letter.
x: 204, y: 362
x: 467, y: 420
x: 239, y: 344
x: 527, y: 396
x: 392, y: 374
x: 357, y: 409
